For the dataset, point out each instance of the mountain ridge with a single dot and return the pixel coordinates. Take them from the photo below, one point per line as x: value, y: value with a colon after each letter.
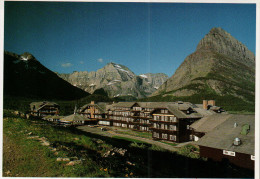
x: 221, y: 65
x: 117, y: 80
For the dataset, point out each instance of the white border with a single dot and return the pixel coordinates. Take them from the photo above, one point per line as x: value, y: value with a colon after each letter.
x: 257, y: 85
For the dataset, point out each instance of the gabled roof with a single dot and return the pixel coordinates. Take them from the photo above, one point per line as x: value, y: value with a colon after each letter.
x: 52, y: 117
x: 124, y: 104
x: 174, y: 108
x: 101, y: 106
x: 154, y: 104
x: 39, y: 105
x: 208, y: 123
x: 74, y: 117
x: 222, y: 136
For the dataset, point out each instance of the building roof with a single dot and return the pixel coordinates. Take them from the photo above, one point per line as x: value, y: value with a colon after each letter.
x: 101, y: 106
x: 223, y: 136
x: 154, y: 104
x: 73, y: 117
x: 124, y: 104
x: 39, y: 105
x: 174, y: 108
x: 208, y: 123
x: 52, y: 117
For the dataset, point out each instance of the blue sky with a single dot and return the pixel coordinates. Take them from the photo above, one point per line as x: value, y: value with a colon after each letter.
x: 145, y: 37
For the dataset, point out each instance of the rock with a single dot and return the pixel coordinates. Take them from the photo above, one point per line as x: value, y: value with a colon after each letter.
x: 46, y: 143
x: 220, y: 62
x: 75, y: 162
x: 66, y: 159
x: 30, y: 133
x: 59, y: 159
x: 130, y: 163
x: 116, y: 80
x: 16, y: 113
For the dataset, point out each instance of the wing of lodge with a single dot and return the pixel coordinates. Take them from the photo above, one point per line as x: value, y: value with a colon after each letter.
x: 227, y: 137
x: 166, y: 120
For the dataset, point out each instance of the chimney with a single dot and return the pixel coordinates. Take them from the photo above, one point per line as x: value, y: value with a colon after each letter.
x: 205, y: 104
x: 92, y: 102
x: 212, y: 102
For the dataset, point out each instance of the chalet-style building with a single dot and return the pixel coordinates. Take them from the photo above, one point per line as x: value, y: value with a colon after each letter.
x: 44, y: 108
x: 172, y: 122
x: 74, y: 119
x: 55, y: 119
x: 132, y: 115
x: 232, y: 140
x: 166, y: 120
x: 95, y: 112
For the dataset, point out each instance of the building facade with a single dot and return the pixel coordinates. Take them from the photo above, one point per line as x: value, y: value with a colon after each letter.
x: 44, y: 108
x: 165, y: 120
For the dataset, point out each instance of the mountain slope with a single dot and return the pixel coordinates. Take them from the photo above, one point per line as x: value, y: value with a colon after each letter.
x: 26, y: 77
x: 221, y: 65
x: 117, y: 80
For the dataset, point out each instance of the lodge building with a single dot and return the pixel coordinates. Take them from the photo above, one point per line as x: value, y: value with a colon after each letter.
x: 166, y: 120
x: 44, y: 108
x: 231, y: 139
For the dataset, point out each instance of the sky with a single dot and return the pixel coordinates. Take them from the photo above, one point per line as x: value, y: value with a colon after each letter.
x: 145, y: 37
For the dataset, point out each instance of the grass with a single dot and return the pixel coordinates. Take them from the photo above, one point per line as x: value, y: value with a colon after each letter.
x: 168, y: 143
x: 129, y: 139
x: 136, y: 133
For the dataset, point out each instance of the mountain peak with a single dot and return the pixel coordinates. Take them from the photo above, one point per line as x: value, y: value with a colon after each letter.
x: 27, y: 56
x: 220, y: 41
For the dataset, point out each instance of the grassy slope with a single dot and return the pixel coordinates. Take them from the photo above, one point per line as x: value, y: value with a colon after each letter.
x: 28, y: 158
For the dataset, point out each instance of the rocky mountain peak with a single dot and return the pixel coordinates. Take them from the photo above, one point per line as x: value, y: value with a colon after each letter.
x: 117, y: 80
x: 220, y: 41
x: 27, y: 56
x: 221, y: 65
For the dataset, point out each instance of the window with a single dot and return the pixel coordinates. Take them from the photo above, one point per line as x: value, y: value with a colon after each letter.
x: 188, y: 127
x: 173, y: 128
x: 162, y: 126
x: 164, y: 136
x: 191, y: 137
x: 162, y: 118
x: 252, y: 157
x: 173, y: 137
x: 166, y: 118
x: 225, y: 152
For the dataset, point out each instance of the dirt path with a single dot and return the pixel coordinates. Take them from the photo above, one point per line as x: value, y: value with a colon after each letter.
x: 111, y: 133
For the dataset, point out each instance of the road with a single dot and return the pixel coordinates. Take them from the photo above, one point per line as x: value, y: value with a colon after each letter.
x: 111, y: 133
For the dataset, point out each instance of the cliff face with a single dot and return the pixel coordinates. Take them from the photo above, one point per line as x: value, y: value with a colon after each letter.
x: 117, y: 80
x: 220, y: 65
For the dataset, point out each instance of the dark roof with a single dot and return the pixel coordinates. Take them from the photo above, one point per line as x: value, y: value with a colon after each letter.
x: 222, y: 136
x: 39, y: 105
x: 208, y: 123
x: 101, y: 106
